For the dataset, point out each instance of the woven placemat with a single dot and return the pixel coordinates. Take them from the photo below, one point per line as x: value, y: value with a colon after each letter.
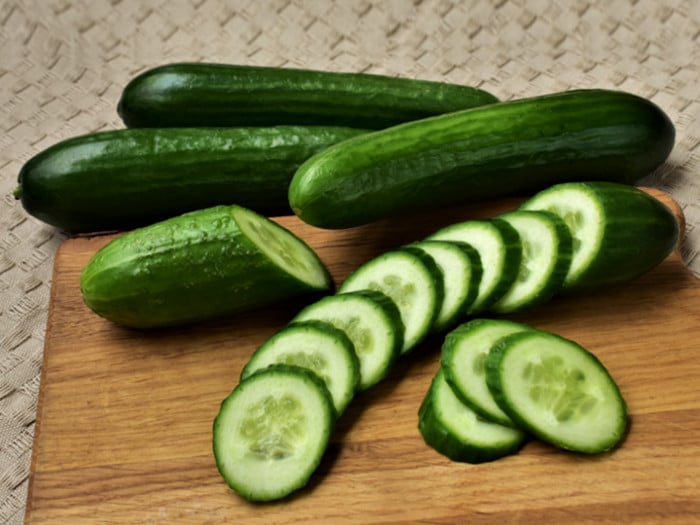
x: 64, y: 62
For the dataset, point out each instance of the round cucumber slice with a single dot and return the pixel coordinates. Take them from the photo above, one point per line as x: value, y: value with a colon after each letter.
x: 557, y: 390
x: 460, y: 267
x: 271, y: 432
x: 371, y: 321
x: 546, y: 249
x: 412, y: 280
x: 463, y: 358
x: 457, y: 432
x: 318, y: 347
x: 498, y: 245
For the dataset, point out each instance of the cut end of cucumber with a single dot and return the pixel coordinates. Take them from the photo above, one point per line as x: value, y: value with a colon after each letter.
x: 284, y: 248
x: 272, y: 431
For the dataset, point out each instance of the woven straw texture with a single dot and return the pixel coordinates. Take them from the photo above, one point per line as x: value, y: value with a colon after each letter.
x: 63, y: 64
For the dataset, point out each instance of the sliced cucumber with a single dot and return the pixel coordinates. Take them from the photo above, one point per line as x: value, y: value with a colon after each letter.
x: 454, y: 430
x: 557, y: 390
x: 371, y: 321
x: 463, y: 358
x: 619, y: 231
x: 547, y: 247
x: 412, y: 280
x: 282, y: 248
x: 317, y: 346
x: 460, y: 267
x: 271, y: 432
x: 498, y: 245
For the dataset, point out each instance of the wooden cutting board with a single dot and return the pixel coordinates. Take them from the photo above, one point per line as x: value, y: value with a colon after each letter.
x: 123, y: 432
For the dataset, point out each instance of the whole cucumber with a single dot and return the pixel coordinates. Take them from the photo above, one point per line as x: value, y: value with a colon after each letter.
x: 509, y: 148
x: 206, y: 94
x: 119, y: 179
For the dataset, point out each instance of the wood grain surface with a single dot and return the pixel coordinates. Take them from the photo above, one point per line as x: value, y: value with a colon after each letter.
x: 125, y: 417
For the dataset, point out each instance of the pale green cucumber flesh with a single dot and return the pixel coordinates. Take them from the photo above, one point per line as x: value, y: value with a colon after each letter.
x: 463, y: 358
x: 498, y: 246
x: 371, y: 321
x: 454, y: 430
x: 546, y: 252
x: 619, y: 231
x: 413, y: 282
x: 271, y: 432
x: 317, y: 346
x: 460, y: 267
x: 283, y: 248
x: 558, y: 391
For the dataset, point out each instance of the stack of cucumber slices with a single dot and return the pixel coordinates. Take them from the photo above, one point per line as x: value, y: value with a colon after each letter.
x: 498, y: 382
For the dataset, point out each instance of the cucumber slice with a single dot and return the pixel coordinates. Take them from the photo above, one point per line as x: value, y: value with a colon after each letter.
x: 463, y: 359
x: 498, y: 245
x: 619, y: 231
x: 557, y: 390
x: 460, y: 267
x: 271, y: 432
x: 317, y: 346
x: 547, y: 248
x: 412, y: 280
x: 371, y: 321
x: 454, y: 430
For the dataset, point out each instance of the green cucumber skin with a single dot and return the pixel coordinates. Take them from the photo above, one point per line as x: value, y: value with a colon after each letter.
x: 439, y: 438
x: 119, y: 179
x: 209, y: 94
x: 640, y: 232
x: 193, y: 267
x: 508, y: 148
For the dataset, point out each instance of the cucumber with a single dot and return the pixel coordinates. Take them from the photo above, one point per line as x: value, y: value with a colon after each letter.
x: 557, y: 390
x: 506, y: 148
x: 463, y: 357
x: 457, y: 432
x: 318, y: 346
x: 371, y: 321
x: 412, y: 280
x: 499, y: 249
x: 120, y: 179
x: 546, y: 251
x: 619, y: 232
x: 272, y: 431
x: 460, y: 268
x: 206, y: 94
x: 202, y: 264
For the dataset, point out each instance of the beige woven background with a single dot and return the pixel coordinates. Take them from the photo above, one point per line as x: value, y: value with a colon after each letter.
x: 64, y: 62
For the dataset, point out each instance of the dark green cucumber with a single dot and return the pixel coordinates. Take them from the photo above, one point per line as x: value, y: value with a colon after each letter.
x: 619, y: 232
x: 507, y: 148
x: 199, y: 265
x: 205, y: 94
x: 120, y: 179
